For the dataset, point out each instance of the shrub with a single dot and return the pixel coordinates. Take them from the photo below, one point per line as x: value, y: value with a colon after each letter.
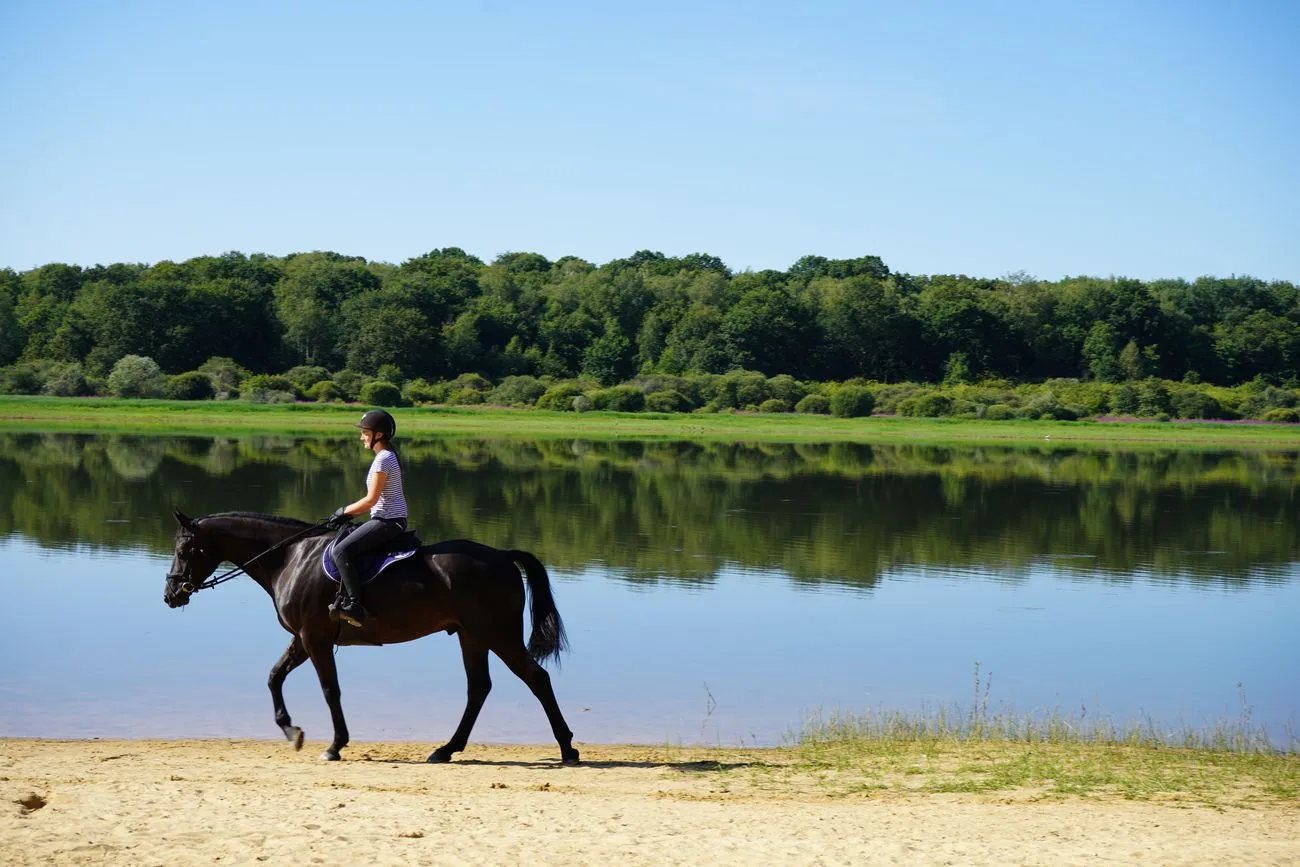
x: 774, y: 405
x: 1282, y: 414
x: 304, y: 376
x: 620, y: 398
x: 225, y: 376
x: 1153, y: 398
x: 1190, y: 403
x: 927, y: 405
x: 189, y: 386
x: 999, y: 412
x: 581, y: 403
x: 20, y: 379
x: 814, y: 403
x: 136, y: 376
x: 1125, y: 399
x: 421, y: 391
x: 350, y: 383
x: 560, y: 397
x: 267, y: 388
x: 466, y: 397
x: 381, y: 393
x: 667, y: 401
x: 517, y: 391
x: 785, y: 387
x: 1045, y: 405
x: 66, y: 379
x: 852, y: 401
x: 325, y: 391
x: 1263, y: 399
x: 390, y: 373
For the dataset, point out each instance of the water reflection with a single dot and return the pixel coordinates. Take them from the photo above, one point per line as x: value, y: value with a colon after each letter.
x: 678, y: 512
x: 714, y: 592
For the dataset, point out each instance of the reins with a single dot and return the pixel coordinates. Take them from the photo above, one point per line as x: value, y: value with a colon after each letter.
x: 241, y: 568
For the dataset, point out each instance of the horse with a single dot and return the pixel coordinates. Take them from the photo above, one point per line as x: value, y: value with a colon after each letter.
x: 465, y: 588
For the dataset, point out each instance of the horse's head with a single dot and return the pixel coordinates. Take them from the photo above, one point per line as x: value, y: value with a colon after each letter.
x: 191, y: 563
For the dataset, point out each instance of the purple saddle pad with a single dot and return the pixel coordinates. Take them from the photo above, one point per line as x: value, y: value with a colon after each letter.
x: 370, y: 565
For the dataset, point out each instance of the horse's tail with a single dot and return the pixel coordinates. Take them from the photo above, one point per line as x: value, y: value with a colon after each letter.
x: 548, y: 640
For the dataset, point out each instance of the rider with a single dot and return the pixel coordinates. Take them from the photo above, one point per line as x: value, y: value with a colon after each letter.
x: 387, y: 508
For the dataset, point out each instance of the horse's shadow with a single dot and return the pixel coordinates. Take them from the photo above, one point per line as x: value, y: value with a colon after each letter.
x: 699, y: 767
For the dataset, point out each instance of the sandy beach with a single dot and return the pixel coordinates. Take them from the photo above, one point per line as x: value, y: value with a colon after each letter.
x: 253, y: 802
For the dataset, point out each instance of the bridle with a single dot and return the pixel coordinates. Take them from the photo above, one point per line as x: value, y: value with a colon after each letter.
x: 189, y: 587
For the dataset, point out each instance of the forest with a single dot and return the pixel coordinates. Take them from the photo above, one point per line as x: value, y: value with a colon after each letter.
x: 446, y: 323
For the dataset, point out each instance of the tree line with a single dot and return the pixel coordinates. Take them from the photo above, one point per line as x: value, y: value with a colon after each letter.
x: 447, y: 313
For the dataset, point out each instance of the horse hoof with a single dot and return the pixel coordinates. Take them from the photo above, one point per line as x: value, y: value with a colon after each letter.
x: 294, y: 735
x: 571, y: 759
x: 330, y: 756
x: 438, y: 757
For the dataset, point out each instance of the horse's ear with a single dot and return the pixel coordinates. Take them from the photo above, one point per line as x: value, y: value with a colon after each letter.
x: 181, y: 519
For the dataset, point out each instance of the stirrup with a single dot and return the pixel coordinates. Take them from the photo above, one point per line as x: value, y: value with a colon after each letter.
x: 347, y: 610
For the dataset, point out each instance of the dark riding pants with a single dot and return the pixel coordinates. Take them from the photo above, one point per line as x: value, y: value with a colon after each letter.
x: 370, y: 536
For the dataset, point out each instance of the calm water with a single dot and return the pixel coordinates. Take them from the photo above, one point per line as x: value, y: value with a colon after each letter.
x: 714, y: 593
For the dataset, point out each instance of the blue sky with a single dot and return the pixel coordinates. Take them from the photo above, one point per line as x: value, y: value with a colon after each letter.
x: 1144, y: 139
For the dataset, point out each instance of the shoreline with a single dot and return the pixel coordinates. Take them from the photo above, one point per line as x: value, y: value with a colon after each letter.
x: 219, y: 801
x: 237, y: 418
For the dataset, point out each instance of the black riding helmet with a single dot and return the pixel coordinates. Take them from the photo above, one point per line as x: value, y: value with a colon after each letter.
x: 381, y: 422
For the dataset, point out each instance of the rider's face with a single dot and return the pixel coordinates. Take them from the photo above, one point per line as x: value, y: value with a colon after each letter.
x: 367, y: 437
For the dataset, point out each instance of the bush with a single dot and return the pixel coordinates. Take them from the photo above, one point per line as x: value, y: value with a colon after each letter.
x: 350, y: 383
x: 1153, y: 398
x: 1125, y: 399
x: 814, y: 403
x: 66, y: 379
x: 304, y: 376
x: 20, y: 379
x: 667, y: 401
x: 852, y: 401
x: 136, y: 376
x: 517, y: 391
x: 928, y: 405
x: 1045, y: 405
x: 325, y: 391
x: 225, y: 376
x: 258, y: 386
x: 189, y: 386
x: 381, y: 393
x: 1282, y: 414
x: 560, y: 397
x: 421, y: 391
x: 581, y: 403
x: 466, y: 397
x: 785, y: 387
x: 774, y: 405
x: 1190, y: 403
x: 620, y: 398
x: 999, y: 412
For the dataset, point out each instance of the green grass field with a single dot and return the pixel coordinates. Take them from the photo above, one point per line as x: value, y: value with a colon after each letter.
x: 19, y: 414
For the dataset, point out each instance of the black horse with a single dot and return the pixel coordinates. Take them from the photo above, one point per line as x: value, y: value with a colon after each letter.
x: 463, y: 587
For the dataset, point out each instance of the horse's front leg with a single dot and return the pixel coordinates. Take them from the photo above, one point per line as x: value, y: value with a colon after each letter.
x: 321, y: 652
x: 293, y: 657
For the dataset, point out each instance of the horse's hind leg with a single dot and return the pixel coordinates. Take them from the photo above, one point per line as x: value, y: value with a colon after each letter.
x: 478, y: 684
x: 514, y: 655
x: 293, y: 657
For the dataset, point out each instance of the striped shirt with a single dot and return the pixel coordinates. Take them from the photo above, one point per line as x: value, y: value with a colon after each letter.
x: 391, y: 502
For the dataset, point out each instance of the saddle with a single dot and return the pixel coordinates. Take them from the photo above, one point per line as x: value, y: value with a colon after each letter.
x: 371, y: 563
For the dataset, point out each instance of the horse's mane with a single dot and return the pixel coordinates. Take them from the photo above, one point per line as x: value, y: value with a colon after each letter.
x: 259, y: 516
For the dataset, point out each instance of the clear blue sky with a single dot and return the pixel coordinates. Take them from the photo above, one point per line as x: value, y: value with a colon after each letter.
x: 1147, y: 139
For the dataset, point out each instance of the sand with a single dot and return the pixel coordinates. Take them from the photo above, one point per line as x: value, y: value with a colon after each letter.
x: 258, y: 802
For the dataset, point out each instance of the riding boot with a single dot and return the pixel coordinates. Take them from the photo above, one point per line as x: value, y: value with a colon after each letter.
x: 348, y: 606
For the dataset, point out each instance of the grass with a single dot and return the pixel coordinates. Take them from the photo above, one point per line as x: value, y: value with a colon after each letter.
x: 19, y: 413
x: 1047, y: 756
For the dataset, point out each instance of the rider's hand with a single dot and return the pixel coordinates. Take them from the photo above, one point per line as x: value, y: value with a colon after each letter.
x: 339, y: 518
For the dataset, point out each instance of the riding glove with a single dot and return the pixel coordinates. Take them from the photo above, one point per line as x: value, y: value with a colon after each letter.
x: 339, y: 518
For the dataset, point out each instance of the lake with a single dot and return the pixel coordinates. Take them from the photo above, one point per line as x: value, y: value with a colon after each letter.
x: 714, y: 593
